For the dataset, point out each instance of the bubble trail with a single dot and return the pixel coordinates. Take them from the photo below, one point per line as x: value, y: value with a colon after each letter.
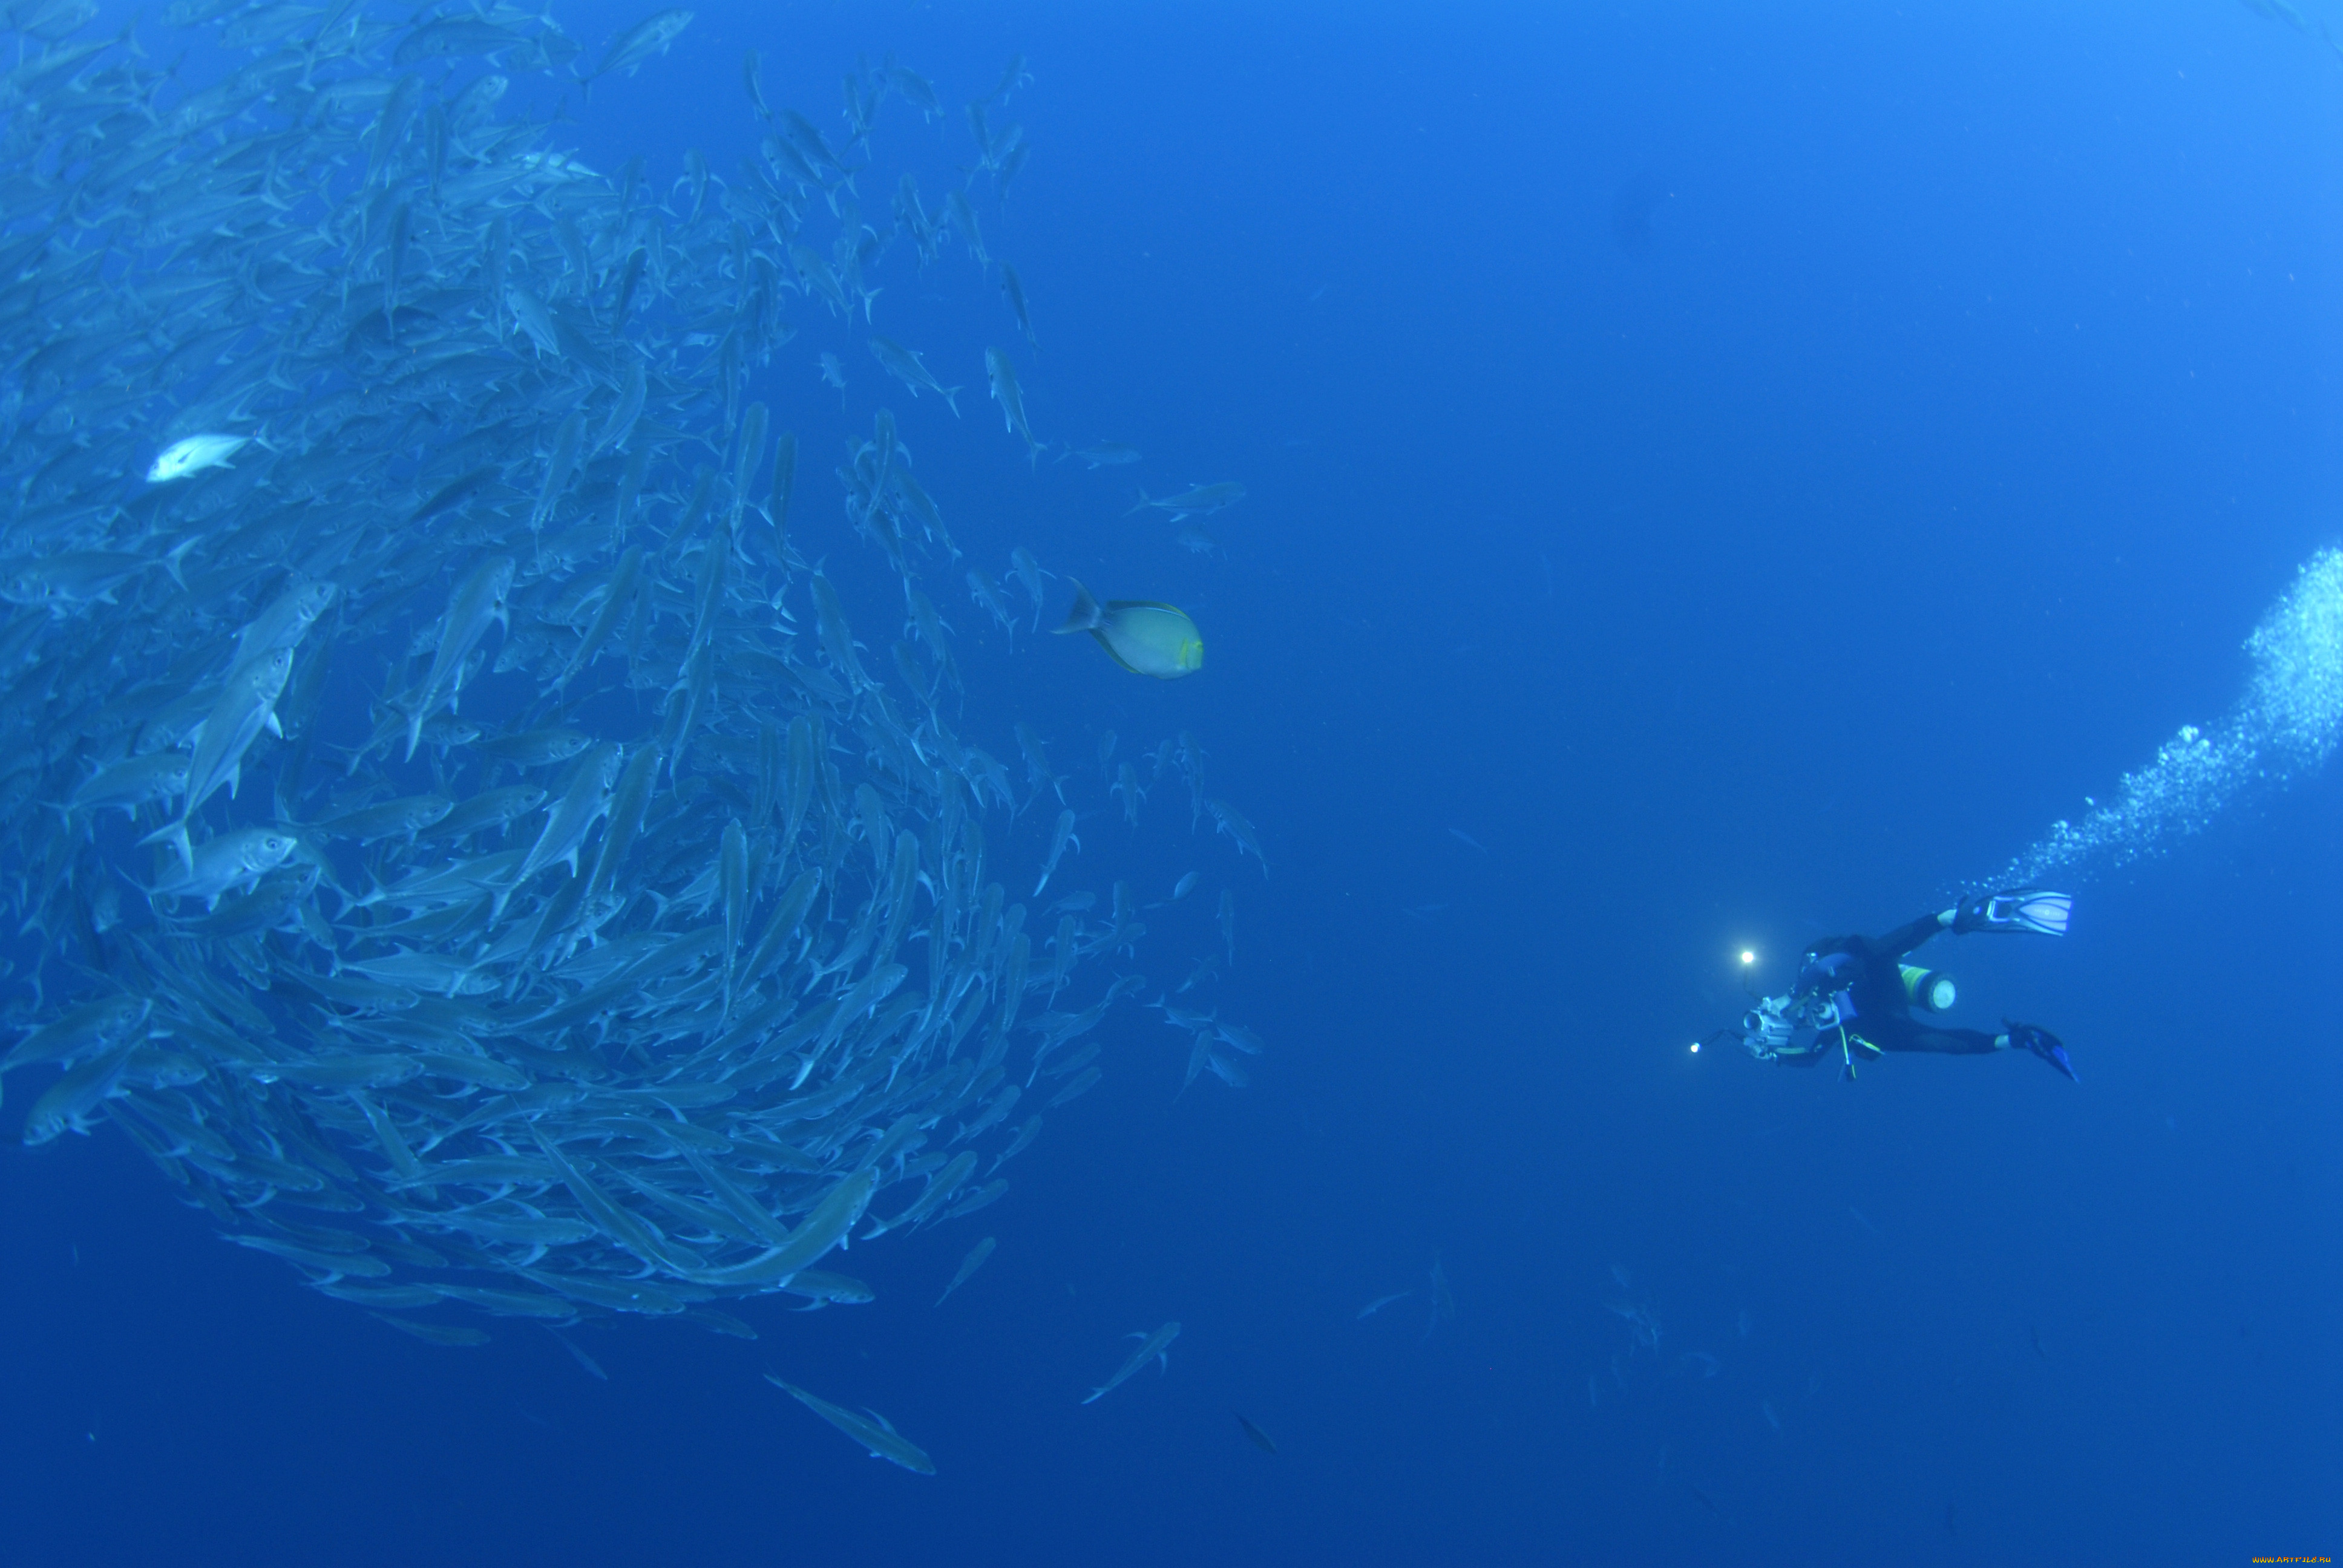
x: 2281, y: 731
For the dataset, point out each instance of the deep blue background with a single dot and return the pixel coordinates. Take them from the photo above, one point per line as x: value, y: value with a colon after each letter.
x: 1919, y: 471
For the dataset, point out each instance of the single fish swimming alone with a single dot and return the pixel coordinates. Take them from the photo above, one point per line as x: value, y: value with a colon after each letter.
x: 1144, y: 637
x: 750, y: 68
x: 1013, y: 289
x: 969, y: 1265
x: 871, y: 1430
x: 1230, y: 820
x: 906, y: 366
x: 1156, y: 1346
x: 1192, y: 503
x: 443, y: 1335
x: 826, y: 1289
x: 1003, y: 376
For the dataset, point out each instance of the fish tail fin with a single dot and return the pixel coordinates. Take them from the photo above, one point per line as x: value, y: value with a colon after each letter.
x: 170, y: 563
x: 1085, y: 615
x: 951, y: 400
x: 1145, y: 501
x: 176, y: 835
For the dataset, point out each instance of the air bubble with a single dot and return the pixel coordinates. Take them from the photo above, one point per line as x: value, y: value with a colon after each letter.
x: 2283, y: 729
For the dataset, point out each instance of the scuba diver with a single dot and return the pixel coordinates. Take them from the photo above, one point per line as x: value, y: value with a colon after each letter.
x: 1854, y: 995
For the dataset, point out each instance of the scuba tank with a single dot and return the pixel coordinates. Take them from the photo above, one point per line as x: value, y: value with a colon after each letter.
x: 1930, y: 989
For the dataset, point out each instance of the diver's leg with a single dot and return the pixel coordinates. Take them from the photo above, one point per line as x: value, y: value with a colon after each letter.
x: 1910, y: 1034
x: 1897, y: 943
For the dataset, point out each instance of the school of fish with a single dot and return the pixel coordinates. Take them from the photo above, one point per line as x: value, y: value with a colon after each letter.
x: 466, y: 845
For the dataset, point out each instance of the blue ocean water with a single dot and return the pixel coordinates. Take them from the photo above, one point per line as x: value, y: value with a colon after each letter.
x: 1711, y: 481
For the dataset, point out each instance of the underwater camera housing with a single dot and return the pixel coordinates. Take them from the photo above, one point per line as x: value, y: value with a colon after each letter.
x: 1931, y: 988
x: 1764, y: 1031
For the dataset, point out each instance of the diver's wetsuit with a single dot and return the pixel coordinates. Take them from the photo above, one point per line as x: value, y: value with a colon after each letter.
x: 1870, y: 971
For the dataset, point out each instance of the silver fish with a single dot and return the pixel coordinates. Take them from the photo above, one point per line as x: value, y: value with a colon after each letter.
x: 647, y: 39
x: 231, y: 861
x: 1003, y: 376
x: 968, y: 1265
x: 478, y: 603
x: 1059, y: 837
x: 191, y: 455
x: 905, y: 366
x: 573, y: 816
x: 872, y: 1431
x: 1155, y: 1346
x: 247, y: 706
x: 1197, y: 501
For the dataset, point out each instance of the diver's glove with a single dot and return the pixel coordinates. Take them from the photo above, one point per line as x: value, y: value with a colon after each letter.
x: 2042, y: 1043
x: 2016, y: 910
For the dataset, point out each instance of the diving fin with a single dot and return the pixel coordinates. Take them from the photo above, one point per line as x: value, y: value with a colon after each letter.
x: 2016, y: 910
x: 2042, y: 1043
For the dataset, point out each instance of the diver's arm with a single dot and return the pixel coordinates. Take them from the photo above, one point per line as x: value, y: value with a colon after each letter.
x: 1904, y: 938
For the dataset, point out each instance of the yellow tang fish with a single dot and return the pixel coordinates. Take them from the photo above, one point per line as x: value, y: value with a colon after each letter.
x: 1143, y: 637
